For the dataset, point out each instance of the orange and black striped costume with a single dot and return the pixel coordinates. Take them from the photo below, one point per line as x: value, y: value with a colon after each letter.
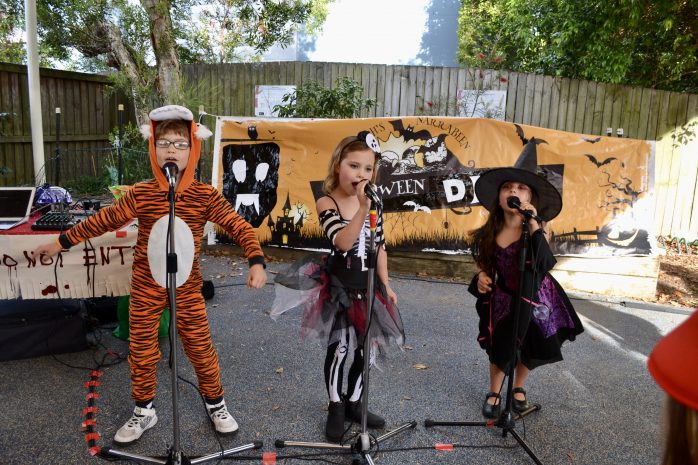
x: 195, y: 204
x: 199, y: 203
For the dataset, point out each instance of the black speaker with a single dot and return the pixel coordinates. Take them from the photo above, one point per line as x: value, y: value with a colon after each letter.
x: 31, y: 328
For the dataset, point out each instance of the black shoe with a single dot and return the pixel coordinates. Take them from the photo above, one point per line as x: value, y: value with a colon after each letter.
x: 334, y: 429
x: 492, y: 410
x: 520, y: 405
x: 353, y: 413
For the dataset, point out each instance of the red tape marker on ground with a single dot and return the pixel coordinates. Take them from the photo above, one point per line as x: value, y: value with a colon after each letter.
x: 439, y: 446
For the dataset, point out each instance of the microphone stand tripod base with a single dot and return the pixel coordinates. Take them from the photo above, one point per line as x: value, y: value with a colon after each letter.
x: 364, y: 442
x: 180, y: 458
x: 506, y: 421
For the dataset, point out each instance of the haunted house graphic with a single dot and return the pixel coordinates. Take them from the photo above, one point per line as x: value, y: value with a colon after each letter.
x: 286, y: 230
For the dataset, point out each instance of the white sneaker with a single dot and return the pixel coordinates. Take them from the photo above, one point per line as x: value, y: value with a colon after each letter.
x: 221, y: 418
x: 141, y: 420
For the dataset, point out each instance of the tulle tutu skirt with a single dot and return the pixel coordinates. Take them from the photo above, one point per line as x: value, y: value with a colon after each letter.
x: 330, y: 309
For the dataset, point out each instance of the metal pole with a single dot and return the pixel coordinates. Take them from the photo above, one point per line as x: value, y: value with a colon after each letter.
x: 120, y: 144
x: 198, y: 164
x: 34, y: 91
x: 58, y: 146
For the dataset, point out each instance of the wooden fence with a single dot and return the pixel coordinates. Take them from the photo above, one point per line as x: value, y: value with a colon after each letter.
x: 88, y: 112
x: 585, y: 107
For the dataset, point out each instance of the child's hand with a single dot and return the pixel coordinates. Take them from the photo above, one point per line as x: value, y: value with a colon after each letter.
x: 484, y: 283
x: 257, y: 277
x: 361, y: 193
x: 49, y: 248
x: 391, y: 294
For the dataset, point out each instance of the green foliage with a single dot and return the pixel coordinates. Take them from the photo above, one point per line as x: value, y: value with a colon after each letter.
x: 87, y: 185
x: 651, y: 44
x: 241, y: 30
x: 135, y: 158
x: 313, y: 100
x: 100, y: 35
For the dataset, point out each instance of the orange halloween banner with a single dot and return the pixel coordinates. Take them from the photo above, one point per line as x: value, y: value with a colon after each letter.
x: 272, y: 170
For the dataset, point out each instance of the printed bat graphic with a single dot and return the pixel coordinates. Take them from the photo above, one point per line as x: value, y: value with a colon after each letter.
x: 598, y: 163
x: 409, y: 134
x: 524, y: 140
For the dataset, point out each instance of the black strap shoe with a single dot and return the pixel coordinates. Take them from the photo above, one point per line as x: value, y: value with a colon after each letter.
x: 492, y: 411
x: 520, y: 405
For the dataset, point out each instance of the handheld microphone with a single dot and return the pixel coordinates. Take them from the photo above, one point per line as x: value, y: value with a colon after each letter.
x: 372, y: 192
x: 170, y: 169
x: 515, y: 202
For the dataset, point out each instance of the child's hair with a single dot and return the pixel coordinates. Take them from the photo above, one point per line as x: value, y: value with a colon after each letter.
x: 681, y: 434
x: 176, y: 126
x: 484, y: 238
x: 345, y: 146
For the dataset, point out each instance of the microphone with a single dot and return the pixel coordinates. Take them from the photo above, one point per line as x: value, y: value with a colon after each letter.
x: 372, y: 192
x: 170, y: 169
x: 515, y: 202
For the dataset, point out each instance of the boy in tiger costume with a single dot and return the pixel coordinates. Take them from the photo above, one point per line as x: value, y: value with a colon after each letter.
x: 174, y: 137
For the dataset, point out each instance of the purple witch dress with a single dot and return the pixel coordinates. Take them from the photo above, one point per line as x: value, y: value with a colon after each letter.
x: 547, y: 318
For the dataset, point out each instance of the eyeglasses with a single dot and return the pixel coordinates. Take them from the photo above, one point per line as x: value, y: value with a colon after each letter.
x: 178, y: 144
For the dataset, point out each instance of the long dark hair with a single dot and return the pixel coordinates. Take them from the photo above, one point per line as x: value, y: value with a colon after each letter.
x: 484, y: 238
x: 681, y: 434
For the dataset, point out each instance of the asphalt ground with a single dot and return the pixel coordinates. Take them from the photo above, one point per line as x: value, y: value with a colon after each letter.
x: 599, y: 405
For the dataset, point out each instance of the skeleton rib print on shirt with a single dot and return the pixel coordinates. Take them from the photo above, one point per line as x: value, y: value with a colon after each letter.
x: 353, y: 262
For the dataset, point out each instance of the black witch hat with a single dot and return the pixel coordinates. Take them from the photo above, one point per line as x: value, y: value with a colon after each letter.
x: 525, y: 170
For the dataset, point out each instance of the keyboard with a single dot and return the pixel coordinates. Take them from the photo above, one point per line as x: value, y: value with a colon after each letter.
x: 55, y: 221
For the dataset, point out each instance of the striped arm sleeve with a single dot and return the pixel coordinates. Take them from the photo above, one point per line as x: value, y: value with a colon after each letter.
x: 331, y: 223
x: 107, y: 219
x: 220, y: 212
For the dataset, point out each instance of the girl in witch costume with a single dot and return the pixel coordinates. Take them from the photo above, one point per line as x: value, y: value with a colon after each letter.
x: 173, y: 138
x: 546, y: 317
x: 331, y: 289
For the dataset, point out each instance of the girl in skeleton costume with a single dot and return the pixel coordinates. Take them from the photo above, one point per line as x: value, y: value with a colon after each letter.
x: 547, y: 317
x: 174, y: 138
x: 332, y: 290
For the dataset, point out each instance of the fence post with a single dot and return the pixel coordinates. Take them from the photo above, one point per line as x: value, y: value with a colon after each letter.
x: 120, y: 144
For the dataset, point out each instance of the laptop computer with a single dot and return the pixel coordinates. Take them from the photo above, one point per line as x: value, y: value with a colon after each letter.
x: 15, y: 205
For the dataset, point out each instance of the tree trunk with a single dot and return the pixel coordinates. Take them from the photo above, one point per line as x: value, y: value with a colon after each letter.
x: 162, y: 37
x: 122, y: 59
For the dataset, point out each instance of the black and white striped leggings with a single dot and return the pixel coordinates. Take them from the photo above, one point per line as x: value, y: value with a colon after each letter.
x: 334, y: 369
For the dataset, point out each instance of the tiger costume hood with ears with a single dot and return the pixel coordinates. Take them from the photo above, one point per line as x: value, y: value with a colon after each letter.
x: 197, y: 133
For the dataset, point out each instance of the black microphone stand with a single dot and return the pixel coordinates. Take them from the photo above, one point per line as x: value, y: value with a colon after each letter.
x: 507, y: 419
x: 364, y: 441
x: 175, y: 455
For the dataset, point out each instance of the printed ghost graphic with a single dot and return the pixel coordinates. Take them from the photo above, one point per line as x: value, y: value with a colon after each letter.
x: 250, y: 178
